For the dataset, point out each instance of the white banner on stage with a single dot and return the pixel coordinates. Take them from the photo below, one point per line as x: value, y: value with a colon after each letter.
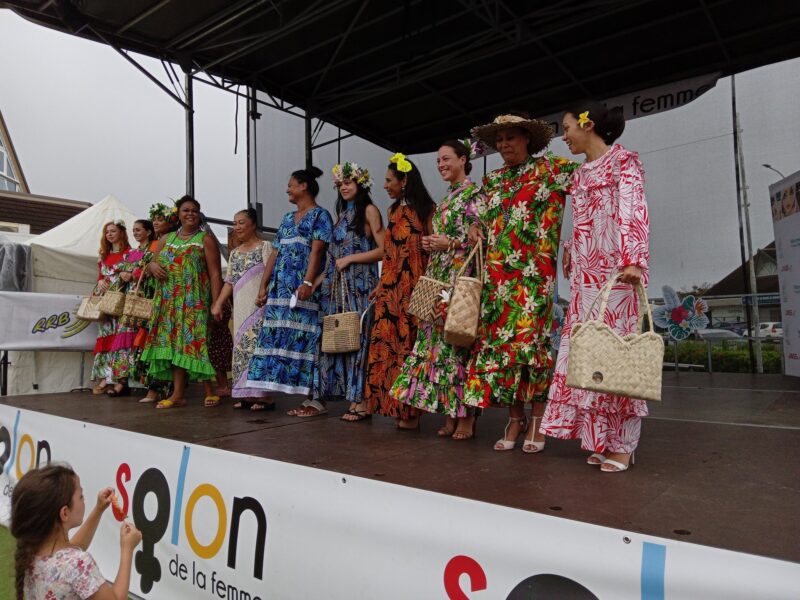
x: 33, y: 321
x: 230, y: 526
x: 785, y: 202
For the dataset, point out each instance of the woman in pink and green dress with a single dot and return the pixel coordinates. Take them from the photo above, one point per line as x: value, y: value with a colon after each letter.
x: 519, y: 216
x: 187, y: 264
x: 432, y: 378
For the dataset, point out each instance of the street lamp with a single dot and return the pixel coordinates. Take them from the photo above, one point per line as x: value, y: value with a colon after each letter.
x: 771, y: 168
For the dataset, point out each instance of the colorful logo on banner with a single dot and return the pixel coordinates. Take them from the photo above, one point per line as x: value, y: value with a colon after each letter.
x: 73, y: 326
x: 679, y: 317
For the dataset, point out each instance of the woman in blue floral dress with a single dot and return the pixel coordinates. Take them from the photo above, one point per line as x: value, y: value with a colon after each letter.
x: 353, y: 255
x: 285, y: 355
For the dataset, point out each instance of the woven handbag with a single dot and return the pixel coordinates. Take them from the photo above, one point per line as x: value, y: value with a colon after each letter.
x: 464, y: 312
x: 602, y: 361
x: 341, y: 331
x: 137, y: 306
x: 426, y: 294
x: 89, y: 310
x: 113, y: 302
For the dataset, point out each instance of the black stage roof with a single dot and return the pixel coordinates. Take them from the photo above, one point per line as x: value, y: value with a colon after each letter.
x: 407, y: 74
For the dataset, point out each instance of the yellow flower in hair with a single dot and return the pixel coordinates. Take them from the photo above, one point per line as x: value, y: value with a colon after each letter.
x: 583, y: 119
x: 402, y: 163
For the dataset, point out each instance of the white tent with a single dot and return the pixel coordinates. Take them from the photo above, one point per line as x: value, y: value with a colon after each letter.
x: 64, y: 261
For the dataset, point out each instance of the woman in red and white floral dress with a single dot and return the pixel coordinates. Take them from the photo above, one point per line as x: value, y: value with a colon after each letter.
x: 609, y: 239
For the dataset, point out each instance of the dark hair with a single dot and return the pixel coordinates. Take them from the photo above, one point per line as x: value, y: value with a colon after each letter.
x: 35, y: 503
x: 184, y: 199
x: 309, y: 176
x: 148, y: 226
x: 415, y: 193
x: 362, y: 200
x: 609, y: 123
x: 251, y: 213
x: 461, y: 150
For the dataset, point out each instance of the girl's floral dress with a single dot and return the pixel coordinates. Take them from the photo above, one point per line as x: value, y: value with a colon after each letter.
x: 521, y: 211
x: 610, y: 231
x: 342, y: 374
x: 285, y: 356
x: 432, y: 377
x: 113, y: 355
x: 394, y: 331
x: 179, y: 331
x: 67, y: 574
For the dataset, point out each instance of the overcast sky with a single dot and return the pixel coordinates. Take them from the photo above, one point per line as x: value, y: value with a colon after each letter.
x: 85, y: 123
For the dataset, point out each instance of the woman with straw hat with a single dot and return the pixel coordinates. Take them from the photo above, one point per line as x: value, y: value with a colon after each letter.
x: 519, y: 219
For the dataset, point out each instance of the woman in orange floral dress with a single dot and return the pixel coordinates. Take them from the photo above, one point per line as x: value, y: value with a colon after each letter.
x: 394, y: 331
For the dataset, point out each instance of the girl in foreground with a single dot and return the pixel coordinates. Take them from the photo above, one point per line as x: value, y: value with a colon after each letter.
x: 45, y: 505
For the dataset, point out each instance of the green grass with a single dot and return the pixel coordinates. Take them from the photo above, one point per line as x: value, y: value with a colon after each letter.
x: 7, y: 547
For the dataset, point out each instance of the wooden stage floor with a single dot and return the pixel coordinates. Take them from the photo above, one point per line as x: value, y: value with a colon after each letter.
x: 719, y: 462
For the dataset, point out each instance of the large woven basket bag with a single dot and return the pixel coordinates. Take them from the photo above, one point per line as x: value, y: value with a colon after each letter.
x: 341, y: 331
x: 136, y: 305
x: 113, y: 301
x: 464, y: 311
x: 89, y: 310
x: 425, y: 297
x: 602, y: 361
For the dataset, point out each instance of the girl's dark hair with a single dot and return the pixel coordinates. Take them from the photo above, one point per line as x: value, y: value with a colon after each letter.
x: 362, y: 200
x: 251, y: 213
x: 609, y: 123
x: 416, y: 194
x: 309, y: 176
x: 148, y: 226
x: 461, y: 150
x: 184, y: 199
x: 35, y: 503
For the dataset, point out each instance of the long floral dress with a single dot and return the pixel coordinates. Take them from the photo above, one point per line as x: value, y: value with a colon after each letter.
x: 521, y: 209
x: 111, y: 356
x: 610, y: 231
x: 179, y: 332
x: 342, y: 374
x: 433, y: 375
x: 286, y: 351
x: 394, y: 331
x: 244, y: 275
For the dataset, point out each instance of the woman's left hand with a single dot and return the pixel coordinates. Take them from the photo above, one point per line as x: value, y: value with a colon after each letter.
x: 342, y: 264
x: 104, y: 498
x: 303, y: 292
x: 126, y: 276
x: 631, y: 274
x: 436, y: 243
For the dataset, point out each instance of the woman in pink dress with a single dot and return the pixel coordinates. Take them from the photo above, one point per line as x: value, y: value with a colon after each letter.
x: 609, y: 239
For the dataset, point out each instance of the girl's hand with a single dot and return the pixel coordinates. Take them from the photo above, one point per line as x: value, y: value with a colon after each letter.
x: 129, y: 536
x: 102, y: 286
x: 631, y: 274
x: 567, y: 266
x: 104, y: 498
x: 342, y: 263
x: 125, y: 276
x: 475, y: 234
x: 216, y: 312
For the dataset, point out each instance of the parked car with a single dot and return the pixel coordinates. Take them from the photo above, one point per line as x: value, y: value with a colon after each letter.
x: 769, y: 329
x: 718, y: 334
x: 735, y: 326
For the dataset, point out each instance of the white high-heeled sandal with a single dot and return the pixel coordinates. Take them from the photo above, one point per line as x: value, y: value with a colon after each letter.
x: 618, y: 466
x: 596, y: 459
x: 531, y: 447
x: 503, y: 444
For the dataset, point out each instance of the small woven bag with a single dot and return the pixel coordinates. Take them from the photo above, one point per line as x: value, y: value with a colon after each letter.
x: 464, y: 311
x: 602, y: 361
x: 89, y: 310
x: 136, y: 305
x: 341, y: 331
x: 425, y: 297
x: 113, y: 301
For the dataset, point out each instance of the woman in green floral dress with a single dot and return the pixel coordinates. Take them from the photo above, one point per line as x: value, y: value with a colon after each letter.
x: 519, y: 216
x: 433, y: 375
x: 187, y: 264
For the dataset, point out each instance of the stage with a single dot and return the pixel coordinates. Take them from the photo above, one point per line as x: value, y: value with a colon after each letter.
x: 718, y: 463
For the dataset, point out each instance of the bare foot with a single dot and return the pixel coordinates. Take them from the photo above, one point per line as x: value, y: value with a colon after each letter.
x: 448, y: 428
x: 465, y: 429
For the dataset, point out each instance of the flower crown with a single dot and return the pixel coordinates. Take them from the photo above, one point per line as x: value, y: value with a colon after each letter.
x: 120, y: 223
x: 353, y: 172
x: 403, y: 165
x: 168, y: 213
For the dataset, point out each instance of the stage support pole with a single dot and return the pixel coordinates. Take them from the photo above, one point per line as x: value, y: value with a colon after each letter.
x: 189, y: 89
x: 309, y: 150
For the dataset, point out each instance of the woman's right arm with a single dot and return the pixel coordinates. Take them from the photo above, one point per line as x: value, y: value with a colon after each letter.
x: 129, y: 538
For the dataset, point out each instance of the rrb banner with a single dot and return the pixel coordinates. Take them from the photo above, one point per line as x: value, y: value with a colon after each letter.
x: 33, y: 321
x: 234, y: 527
